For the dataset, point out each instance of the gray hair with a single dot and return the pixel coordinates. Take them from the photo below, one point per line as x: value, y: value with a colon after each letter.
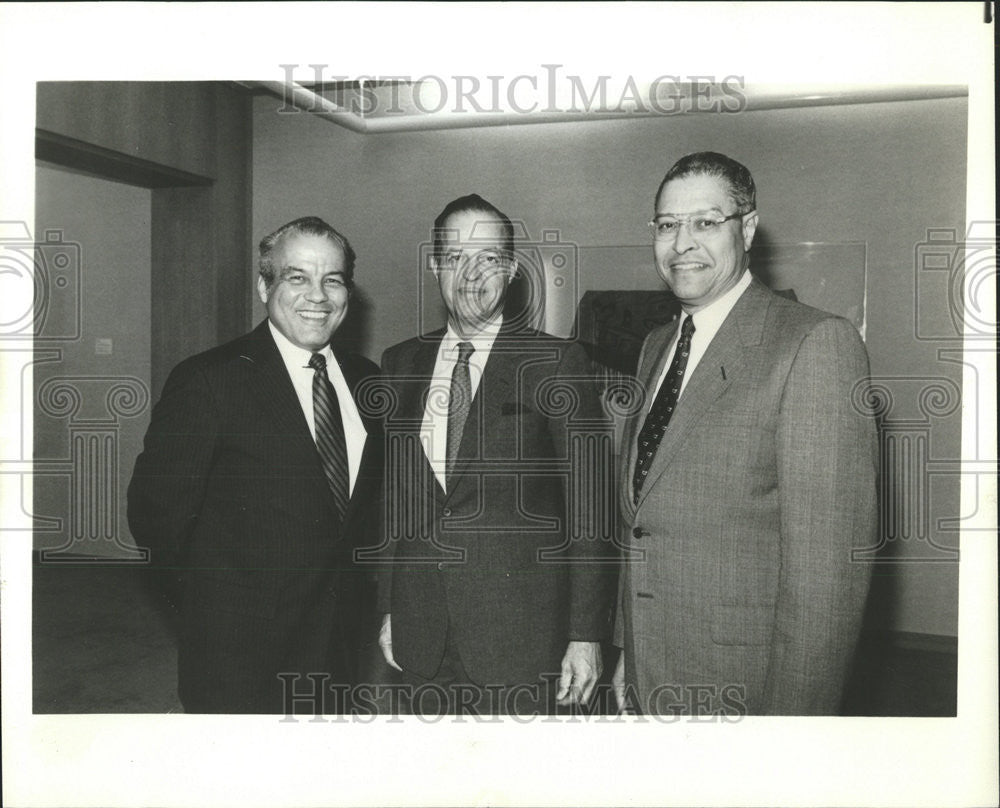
x: 310, y: 226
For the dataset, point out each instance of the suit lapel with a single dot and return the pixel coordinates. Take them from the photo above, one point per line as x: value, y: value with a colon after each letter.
x: 653, y: 361
x: 413, y: 403
x: 373, y: 428
x: 276, y: 395
x: 724, y: 361
x: 494, y: 386
x: 353, y: 377
x: 275, y: 391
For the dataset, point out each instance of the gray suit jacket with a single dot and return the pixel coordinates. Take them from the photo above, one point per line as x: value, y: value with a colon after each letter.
x: 739, y: 593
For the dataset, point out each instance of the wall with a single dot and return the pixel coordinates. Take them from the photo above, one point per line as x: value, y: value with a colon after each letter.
x: 880, y: 173
x: 190, y: 142
x: 165, y: 272
x: 170, y: 123
x: 111, y: 223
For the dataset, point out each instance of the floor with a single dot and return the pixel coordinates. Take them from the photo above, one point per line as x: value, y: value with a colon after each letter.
x: 102, y: 644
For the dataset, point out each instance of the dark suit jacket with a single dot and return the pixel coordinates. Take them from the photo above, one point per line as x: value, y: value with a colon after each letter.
x: 740, y: 593
x: 229, y: 492
x: 509, y: 559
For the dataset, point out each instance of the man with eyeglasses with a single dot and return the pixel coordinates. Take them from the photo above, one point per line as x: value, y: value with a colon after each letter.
x: 748, y: 477
x: 498, y: 579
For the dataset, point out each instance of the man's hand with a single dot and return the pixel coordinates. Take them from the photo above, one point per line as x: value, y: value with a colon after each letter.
x: 385, y: 641
x: 618, y: 682
x: 581, y: 668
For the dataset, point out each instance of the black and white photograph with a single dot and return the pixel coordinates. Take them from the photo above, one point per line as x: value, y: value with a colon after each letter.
x: 498, y: 404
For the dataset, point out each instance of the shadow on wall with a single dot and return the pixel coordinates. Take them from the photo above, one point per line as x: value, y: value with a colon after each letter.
x: 354, y: 334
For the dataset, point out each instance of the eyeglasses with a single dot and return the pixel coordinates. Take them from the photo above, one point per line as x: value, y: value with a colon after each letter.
x: 666, y: 228
x: 483, y: 259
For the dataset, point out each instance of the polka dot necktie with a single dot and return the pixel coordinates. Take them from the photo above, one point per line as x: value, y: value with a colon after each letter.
x: 330, y: 441
x: 662, y: 409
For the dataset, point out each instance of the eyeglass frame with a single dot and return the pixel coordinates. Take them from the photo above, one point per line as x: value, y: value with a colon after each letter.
x: 504, y: 259
x: 686, y: 220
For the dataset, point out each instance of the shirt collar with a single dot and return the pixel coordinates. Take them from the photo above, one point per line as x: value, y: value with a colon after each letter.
x: 712, y: 316
x: 293, y: 355
x: 483, y: 340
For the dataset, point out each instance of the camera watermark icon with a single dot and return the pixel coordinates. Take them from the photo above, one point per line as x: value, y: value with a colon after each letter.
x: 41, y: 285
x: 963, y: 271
x: 40, y: 307
x: 543, y: 287
x: 539, y: 438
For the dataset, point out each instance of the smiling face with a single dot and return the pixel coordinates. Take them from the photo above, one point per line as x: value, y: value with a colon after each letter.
x: 700, y: 268
x: 307, y: 300
x: 473, y: 269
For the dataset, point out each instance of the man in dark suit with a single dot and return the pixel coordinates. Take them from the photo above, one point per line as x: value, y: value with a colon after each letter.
x: 497, y: 495
x: 748, y: 477
x: 257, y: 481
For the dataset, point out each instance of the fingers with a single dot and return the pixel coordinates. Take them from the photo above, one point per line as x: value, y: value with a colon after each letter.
x: 580, y: 671
x: 565, y: 682
x: 618, y: 682
x: 385, y: 642
x: 588, y: 687
x: 576, y: 687
x: 387, y: 654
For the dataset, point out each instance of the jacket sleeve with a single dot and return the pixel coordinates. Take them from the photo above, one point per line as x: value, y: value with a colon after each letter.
x: 386, y: 549
x: 170, y: 478
x: 827, y: 456
x: 586, y: 437
x: 621, y: 489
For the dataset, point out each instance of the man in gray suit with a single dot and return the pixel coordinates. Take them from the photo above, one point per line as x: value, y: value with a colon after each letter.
x: 748, y: 476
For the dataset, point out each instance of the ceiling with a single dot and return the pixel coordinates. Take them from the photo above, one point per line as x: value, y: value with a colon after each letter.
x: 394, y: 104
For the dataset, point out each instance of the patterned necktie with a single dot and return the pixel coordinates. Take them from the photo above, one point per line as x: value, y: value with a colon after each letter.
x: 330, y: 440
x: 459, y: 403
x: 663, y: 407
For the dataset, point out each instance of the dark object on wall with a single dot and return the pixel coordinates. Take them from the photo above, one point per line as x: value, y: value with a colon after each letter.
x: 615, y: 323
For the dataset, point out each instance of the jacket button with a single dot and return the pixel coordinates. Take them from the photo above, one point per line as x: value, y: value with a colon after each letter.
x: 446, y: 512
x: 331, y: 592
x: 440, y: 565
x: 638, y: 533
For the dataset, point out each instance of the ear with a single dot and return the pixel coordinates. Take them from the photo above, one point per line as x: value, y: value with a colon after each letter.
x: 749, y: 229
x: 512, y: 269
x: 435, y: 267
x: 262, y: 289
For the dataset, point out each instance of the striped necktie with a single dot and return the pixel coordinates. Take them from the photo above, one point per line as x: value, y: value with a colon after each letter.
x: 330, y: 440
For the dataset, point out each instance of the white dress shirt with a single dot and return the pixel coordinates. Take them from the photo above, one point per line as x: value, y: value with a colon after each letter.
x: 434, y: 428
x: 297, y: 362
x: 707, y: 323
